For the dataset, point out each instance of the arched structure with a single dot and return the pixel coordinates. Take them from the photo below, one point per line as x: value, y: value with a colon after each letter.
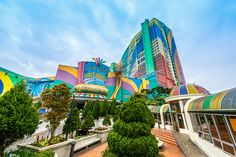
x: 208, y: 119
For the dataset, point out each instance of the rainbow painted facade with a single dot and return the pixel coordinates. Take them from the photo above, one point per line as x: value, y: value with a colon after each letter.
x: 88, y: 80
x: 152, y: 54
x: 150, y: 60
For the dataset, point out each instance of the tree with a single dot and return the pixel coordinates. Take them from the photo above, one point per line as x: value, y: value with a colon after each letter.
x: 113, y: 107
x: 88, y: 122
x: 131, y: 135
x: 18, y: 116
x: 159, y: 94
x: 96, y: 109
x: 103, y: 109
x: 106, y: 120
x: 107, y: 105
x: 116, y: 115
x: 57, y: 101
x: 72, y: 122
x: 88, y: 108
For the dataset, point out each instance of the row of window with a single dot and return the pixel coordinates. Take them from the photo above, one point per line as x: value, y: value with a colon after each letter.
x: 218, y: 129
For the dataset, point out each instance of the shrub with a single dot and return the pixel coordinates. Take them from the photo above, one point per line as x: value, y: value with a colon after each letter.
x: 113, y: 107
x: 106, y: 120
x: 57, y: 101
x: 96, y: 109
x: 46, y: 142
x: 131, y: 135
x: 18, y: 116
x: 88, y: 122
x: 107, y: 153
x: 72, y: 122
x: 23, y: 152
x: 87, y: 108
x: 101, y: 128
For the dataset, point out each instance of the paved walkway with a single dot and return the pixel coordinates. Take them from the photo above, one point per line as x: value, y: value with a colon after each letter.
x: 170, y: 149
x: 188, y: 147
x: 94, y: 151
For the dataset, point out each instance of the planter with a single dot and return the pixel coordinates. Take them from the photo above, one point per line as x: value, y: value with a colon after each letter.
x: 60, y: 149
x: 86, y: 141
x: 102, y: 134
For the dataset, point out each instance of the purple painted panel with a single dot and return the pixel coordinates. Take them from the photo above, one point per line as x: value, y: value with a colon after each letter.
x: 111, y: 81
x: 128, y: 87
x: 67, y: 77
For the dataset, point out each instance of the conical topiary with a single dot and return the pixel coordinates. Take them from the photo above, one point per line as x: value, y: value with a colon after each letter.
x: 131, y: 135
x: 106, y: 120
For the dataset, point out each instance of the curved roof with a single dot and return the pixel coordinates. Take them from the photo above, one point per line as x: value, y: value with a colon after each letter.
x: 91, y: 89
x: 222, y: 101
x: 188, y: 89
x: 157, y: 109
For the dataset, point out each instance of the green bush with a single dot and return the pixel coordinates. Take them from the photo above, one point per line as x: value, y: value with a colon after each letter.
x: 113, y: 107
x: 107, y: 153
x: 23, y: 152
x: 131, y: 135
x: 46, y: 142
x: 96, y: 109
x: 18, y: 116
x: 88, y: 122
x: 87, y: 108
x: 106, y: 120
x: 72, y: 122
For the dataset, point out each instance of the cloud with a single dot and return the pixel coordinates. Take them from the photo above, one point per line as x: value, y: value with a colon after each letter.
x: 36, y: 36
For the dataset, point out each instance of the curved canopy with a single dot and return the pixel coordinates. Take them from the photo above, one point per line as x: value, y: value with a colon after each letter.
x: 91, y: 89
x: 188, y: 89
x: 157, y: 109
x: 222, y: 101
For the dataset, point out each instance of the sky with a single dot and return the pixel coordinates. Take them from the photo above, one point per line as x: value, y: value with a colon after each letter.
x: 37, y: 35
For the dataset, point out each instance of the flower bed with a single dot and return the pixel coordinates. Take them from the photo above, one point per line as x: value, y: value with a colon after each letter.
x: 101, y: 128
x: 86, y: 141
x: 61, y: 149
x: 46, y: 142
x: 102, y: 133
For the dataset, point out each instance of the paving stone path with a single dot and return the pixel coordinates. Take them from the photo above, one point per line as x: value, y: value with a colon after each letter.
x: 170, y: 149
x: 189, y: 148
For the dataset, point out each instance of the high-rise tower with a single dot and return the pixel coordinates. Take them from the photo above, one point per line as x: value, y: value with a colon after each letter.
x: 152, y: 54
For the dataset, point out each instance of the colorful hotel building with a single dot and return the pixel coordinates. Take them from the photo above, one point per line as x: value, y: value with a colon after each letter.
x: 150, y: 60
x: 152, y: 55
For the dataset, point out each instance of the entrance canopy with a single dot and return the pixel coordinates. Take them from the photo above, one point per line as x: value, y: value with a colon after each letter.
x: 221, y: 102
x: 157, y: 109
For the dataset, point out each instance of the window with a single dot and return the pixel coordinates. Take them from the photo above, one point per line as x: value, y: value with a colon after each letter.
x: 213, y: 130
x: 195, y: 121
x: 167, y: 118
x: 180, y: 120
x: 158, y: 118
x: 232, y: 125
x: 224, y: 134
x: 203, y: 129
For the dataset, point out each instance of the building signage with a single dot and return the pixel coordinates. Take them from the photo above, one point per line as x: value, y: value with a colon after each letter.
x: 95, y: 74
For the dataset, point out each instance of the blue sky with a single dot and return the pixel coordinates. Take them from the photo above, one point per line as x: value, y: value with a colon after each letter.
x: 37, y: 35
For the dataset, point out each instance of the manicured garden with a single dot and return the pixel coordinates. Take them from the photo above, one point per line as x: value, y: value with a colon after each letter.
x: 131, y: 134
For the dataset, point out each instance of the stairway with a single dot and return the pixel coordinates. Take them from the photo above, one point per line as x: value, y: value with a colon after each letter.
x: 165, y: 136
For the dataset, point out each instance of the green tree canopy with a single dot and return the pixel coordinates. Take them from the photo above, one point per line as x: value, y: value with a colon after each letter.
x: 88, y: 122
x: 159, y: 94
x: 72, y: 123
x: 57, y: 101
x: 113, y: 107
x: 131, y: 135
x: 96, y: 109
x: 18, y: 116
x: 88, y: 108
x: 106, y: 120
